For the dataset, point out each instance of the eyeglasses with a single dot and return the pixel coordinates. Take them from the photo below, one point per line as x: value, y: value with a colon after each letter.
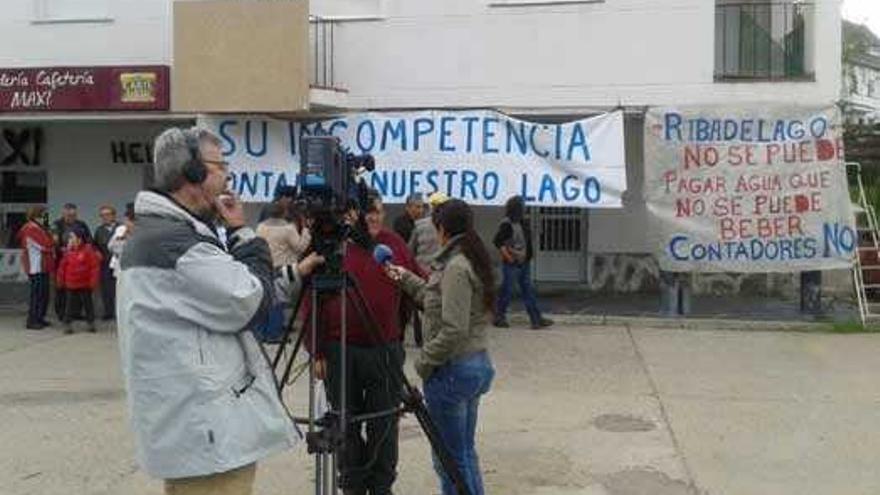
x: 220, y: 163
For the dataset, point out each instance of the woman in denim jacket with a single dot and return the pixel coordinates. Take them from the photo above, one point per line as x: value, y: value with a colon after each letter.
x: 454, y: 362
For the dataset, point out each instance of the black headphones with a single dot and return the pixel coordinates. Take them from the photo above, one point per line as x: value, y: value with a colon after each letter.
x: 194, y: 171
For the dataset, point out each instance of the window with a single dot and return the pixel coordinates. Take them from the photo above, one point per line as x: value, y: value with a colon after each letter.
x: 18, y: 190
x: 855, y: 81
x: 23, y: 187
x: 559, y: 228
x: 10, y: 223
x: 50, y: 11
x: 761, y: 39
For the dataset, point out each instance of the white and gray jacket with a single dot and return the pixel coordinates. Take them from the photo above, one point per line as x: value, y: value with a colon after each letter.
x: 202, y: 398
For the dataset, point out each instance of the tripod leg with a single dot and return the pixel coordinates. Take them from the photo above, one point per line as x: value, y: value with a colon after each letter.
x: 289, y: 367
x: 343, y: 368
x: 289, y: 329
x: 333, y: 475
x: 413, y: 399
x: 435, y: 439
x: 343, y: 384
x: 330, y: 469
x: 320, y: 485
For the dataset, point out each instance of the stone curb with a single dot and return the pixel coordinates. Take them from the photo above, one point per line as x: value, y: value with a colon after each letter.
x: 730, y: 323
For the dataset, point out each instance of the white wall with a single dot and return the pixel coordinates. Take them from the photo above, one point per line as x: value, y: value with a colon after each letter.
x: 625, y: 230
x: 131, y: 32
x: 450, y: 53
x: 80, y: 167
x: 467, y: 53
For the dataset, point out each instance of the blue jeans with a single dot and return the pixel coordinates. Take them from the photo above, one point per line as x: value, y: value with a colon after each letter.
x: 452, y: 394
x: 510, y: 273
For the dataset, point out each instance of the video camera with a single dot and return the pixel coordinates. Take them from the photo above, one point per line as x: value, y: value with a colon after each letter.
x: 331, y: 185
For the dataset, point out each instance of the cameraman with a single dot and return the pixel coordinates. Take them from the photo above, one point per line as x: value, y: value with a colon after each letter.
x: 202, y: 398
x: 372, y: 383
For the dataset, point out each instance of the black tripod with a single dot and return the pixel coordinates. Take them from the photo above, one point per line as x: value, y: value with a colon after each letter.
x: 326, y: 435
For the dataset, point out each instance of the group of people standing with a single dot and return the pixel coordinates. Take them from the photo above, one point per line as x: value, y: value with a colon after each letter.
x: 203, y: 403
x: 67, y: 254
x: 454, y: 363
x: 442, y: 282
x: 513, y: 239
x: 440, y: 269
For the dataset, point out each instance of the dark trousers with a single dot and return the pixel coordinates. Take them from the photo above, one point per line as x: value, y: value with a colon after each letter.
x: 108, y: 291
x: 60, y: 302
x: 368, y: 462
x: 77, y: 300
x: 39, y: 298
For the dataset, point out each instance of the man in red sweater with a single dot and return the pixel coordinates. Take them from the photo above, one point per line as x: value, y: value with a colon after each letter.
x: 369, y: 464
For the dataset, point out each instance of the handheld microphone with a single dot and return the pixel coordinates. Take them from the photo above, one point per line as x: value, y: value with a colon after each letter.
x: 382, y: 254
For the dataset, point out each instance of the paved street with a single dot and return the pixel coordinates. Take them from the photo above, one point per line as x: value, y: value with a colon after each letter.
x: 599, y: 410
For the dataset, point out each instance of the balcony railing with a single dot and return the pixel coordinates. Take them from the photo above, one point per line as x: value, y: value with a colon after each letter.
x: 762, y: 41
x: 321, y: 38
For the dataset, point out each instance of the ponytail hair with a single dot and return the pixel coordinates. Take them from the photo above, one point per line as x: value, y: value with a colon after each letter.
x: 456, y: 217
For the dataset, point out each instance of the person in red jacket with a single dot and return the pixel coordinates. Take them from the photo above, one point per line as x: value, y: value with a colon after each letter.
x: 38, y: 258
x: 78, y: 274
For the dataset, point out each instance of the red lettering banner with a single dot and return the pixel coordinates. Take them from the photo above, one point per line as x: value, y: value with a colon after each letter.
x: 739, y: 189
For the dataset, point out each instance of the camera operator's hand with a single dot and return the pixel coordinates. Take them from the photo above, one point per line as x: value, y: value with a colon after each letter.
x: 308, y: 264
x: 320, y: 369
x: 395, y: 272
x: 231, y: 210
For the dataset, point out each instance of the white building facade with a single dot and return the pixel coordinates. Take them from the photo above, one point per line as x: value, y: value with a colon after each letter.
x: 543, y: 60
x: 861, y: 75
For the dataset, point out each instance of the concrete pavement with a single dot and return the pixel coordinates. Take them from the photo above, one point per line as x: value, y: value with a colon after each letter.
x: 599, y: 410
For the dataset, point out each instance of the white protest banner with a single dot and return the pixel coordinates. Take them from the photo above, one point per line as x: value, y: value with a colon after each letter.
x: 480, y: 156
x: 739, y: 189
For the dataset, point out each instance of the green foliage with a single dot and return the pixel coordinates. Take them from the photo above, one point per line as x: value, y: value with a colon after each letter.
x: 862, y: 144
x: 872, y: 190
x: 853, y: 327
